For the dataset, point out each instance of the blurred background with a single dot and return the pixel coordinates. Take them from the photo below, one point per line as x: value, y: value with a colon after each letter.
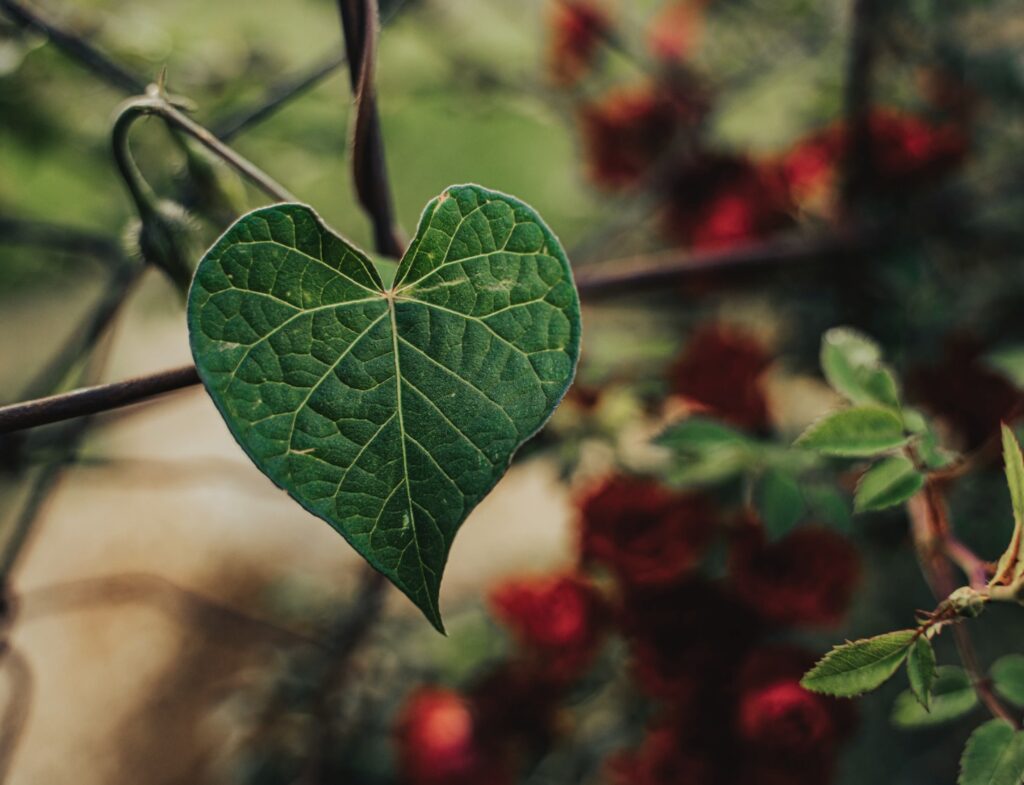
x: 730, y: 178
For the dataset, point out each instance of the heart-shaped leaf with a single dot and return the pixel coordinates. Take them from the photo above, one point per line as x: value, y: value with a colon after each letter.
x: 388, y: 412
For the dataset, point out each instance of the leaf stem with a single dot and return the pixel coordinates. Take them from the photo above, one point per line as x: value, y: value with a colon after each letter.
x: 154, y: 103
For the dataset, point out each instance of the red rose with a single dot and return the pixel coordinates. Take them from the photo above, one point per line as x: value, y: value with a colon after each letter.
x: 807, y: 578
x: 662, y: 759
x: 686, y: 641
x: 577, y: 28
x: 644, y: 533
x: 790, y: 732
x: 559, y: 618
x: 906, y: 152
x: 722, y: 369
x: 675, y: 30
x: 966, y: 392
x: 437, y: 741
x: 630, y: 130
x: 719, y: 201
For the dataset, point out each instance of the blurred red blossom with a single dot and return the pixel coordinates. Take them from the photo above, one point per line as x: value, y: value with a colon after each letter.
x: 718, y: 200
x: 675, y: 30
x: 577, y: 27
x: 631, y: 129
x: 438, y: 743
x: 970, y: 395
x: 906, y: 152
x: 561, y: 618
x: 644, y: 533
x: 662, y: 759
x: 722, y: 369
x: 686, y: 639
x: 805, y: 579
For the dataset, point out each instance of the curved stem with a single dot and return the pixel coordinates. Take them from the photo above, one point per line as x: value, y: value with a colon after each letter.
x: 154, y: 103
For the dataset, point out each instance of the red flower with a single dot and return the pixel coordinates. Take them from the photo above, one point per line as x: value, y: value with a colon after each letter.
x: 722, y: 369
x: 807, y: 578
x: 577, y: 28
x: 559, y: 618
x: 966, y: 392
x: 790, y: 732
x: 644, y: 533
x: 906, y: 152
x: 662, y: 759
x: 437, y: 741
x: 719, y: 201
x: 630, y: 130
x: 675, y: 30
x: 686, y: 641
x: 516, y: 708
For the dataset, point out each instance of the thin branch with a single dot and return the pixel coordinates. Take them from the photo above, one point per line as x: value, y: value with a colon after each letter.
x: 858, y: 159
x: 369, y: 168
x: 58, y: 237
x: 92, y: 400
x: 76, y: 47
x: 275, y: 98
x: 931, y: 529
x: 153, y: 103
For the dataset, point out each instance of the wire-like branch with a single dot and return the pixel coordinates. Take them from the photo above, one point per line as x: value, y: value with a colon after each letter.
x: 276, y: 97
x: 92, y: 400
x: 58, y: 237
x: 369, y: 168
x: 76, y: 47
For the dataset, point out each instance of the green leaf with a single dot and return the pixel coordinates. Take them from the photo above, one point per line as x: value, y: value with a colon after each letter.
x: 780, y: 503
x: 1011, y: 563
x: 921, y: 670
x: 994, y: 755
x: 1008, y: 678
x: 889, y: 482
x: 828, y: 506
x: 852, y: 364
x: 953, y: 696
x: 706, y: 452
x: 857, y: 432
x: 1009, y: 361
x: 858, y: 667
x: 389, y: 413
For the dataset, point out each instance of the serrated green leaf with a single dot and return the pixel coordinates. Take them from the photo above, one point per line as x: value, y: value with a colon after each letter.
x: 1008, y: 678
x: 952, y: 697
x: 389, y: 413
x: 889, y: 482
x: 779, y: 502
x: 852, y: 364
x: 860, y: 431
x: 994, y: 755
x: 921, y: 671
x: 859, y: 666
x: 1011, y: 563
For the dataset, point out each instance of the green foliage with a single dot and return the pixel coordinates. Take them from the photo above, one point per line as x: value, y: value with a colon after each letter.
x: 921, y: 671
x: 780, y: 503
x: 1008, y: 678
x: 389, y: 413
x: 953, y: 696
x: 889, y: 482
x: 860, y: 431
x: 859, y: 666
x: 994, y: 756
x: 706, y: 451
x: 852, y: 364
x: 1011, y: 563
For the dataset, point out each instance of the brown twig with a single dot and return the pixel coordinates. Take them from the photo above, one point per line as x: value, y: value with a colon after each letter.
x: 92, y: 400
x: 931, y: 530
x: 369, y: 168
